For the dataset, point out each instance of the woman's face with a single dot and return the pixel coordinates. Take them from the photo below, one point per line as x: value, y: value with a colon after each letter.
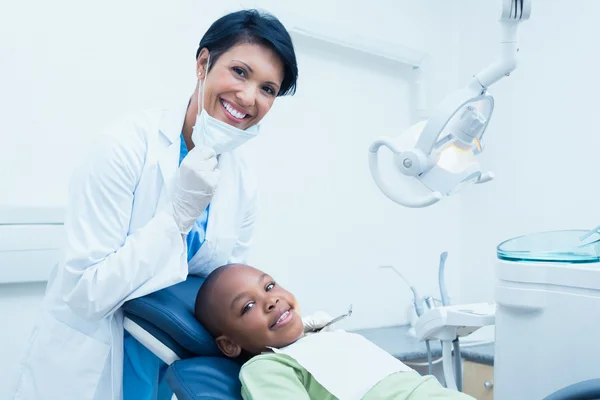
x: 242, y: 84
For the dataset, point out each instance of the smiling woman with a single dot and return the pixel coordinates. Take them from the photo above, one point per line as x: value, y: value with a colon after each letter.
x: 241, y: 69
x: 152, y: 204
x: 244, y: 83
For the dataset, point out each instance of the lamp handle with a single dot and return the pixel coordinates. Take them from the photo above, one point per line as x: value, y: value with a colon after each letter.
x: 394, y: 195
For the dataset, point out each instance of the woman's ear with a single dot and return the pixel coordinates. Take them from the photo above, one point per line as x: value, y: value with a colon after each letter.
x: 201, y: 63
x: 228, y: 347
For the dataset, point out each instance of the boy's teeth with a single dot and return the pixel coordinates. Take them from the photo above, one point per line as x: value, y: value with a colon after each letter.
x: 283, y: 316
x: 232, y: 111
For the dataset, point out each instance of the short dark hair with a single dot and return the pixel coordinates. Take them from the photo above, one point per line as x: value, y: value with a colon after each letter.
x: 203, y: 309
x: 253, y: 26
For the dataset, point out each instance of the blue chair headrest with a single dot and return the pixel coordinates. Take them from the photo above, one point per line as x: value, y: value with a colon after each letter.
x: 169, y: 316
x: 205, y: 378
x: 585, y: 390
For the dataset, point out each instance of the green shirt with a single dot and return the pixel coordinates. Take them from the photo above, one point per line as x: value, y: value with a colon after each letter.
x: 273, y: 376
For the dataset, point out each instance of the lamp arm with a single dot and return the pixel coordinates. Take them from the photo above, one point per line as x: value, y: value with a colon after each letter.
x: 513, y: 13
x: 395, y: 195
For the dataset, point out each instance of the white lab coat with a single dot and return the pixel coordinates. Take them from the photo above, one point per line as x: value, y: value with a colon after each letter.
x: 123, y: 243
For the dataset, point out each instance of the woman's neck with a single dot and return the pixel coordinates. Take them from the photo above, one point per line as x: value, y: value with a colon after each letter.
x: 190, y: 120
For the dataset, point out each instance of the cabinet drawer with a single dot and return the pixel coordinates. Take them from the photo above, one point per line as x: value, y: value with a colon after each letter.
x: 478, y: 380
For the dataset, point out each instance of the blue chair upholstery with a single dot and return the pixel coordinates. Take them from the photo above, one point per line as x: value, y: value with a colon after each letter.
x: 202, y: 372
x: 169, y: 316
x: 205, y: 378
x: 586, y: 390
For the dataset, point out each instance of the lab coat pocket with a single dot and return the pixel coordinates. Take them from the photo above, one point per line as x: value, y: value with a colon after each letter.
x: 62, y: 363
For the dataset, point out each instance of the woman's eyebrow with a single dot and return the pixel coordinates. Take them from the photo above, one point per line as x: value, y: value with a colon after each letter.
x: 247, y: 66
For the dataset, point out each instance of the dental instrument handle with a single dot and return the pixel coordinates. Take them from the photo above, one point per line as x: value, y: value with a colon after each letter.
x: 442, y: 280
x: 333, y: 321
x: 417, y: 300
x: 590, y: 233
x: 430, y: 302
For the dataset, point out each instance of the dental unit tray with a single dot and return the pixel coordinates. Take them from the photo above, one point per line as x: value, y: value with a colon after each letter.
x: 552, y: 247
x: 450, y: 322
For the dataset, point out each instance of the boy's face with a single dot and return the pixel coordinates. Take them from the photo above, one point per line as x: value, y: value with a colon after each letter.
x: 254, y: 312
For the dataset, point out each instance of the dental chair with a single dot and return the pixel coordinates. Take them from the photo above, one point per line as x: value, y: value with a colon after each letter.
x: 164, y: 323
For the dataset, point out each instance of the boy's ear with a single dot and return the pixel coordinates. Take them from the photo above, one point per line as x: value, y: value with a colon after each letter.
x: 228, y: 347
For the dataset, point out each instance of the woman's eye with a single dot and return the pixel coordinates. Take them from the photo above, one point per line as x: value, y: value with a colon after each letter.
x: 269, y: 90
x: 239, y: 71
x: 247, y: 308
x: 270, y: 286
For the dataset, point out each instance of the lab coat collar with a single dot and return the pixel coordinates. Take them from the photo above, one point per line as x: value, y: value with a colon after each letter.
x: 171, y: 123
x: 170, y: 126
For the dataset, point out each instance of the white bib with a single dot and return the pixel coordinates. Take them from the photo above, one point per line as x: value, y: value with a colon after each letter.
x: 346, y: 364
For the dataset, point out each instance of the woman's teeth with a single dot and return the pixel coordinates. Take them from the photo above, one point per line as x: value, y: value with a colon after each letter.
x: 232, y: 110
x: 283, y: 316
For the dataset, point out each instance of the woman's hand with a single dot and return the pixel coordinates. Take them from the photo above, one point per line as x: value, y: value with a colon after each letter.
x: 316, y: 321
x: 196, y: 184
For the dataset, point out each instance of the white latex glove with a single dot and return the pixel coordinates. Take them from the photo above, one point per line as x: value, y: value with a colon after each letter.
x: 195, y: 186
x: 317, y: 320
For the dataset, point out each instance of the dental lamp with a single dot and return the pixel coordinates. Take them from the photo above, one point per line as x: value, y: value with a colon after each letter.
x: 441, y: 152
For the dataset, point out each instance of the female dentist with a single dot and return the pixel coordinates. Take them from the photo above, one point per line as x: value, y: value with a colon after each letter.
x: 163, y: 195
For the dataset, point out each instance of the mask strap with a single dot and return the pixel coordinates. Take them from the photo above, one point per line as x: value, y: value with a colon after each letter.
x: 201, y: 99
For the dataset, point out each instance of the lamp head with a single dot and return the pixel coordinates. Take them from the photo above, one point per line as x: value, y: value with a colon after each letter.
x: 440, y: 153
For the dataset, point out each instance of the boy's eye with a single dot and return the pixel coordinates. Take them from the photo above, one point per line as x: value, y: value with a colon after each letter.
x: 270, y: 286
x: 247, y: 307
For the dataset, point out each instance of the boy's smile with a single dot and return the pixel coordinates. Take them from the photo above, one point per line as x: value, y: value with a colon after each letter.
x: 285, y: 317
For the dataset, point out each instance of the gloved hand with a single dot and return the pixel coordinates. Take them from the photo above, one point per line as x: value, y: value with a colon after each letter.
x: 315, y: 321
x: 195, y: 186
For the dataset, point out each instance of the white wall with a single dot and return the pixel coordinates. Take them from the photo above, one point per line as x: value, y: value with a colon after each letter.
x: 324, y: 227
x: 542, y: 141
x: 70, y: 68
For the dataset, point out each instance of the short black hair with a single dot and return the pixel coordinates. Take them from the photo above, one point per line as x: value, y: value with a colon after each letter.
x: 203, y: 309
x: 253, y: 26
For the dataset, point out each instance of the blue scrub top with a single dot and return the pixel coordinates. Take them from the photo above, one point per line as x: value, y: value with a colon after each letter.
x: 196, y: 237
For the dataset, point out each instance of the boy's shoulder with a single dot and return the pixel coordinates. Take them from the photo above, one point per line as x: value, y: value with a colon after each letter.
x: 279, y: 376
x: 272, y: 363
x: 271, y: 360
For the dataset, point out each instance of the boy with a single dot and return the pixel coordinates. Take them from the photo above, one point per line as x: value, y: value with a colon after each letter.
x: 249, y: 315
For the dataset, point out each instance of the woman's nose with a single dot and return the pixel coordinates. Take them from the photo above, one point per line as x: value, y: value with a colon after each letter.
x: 247, y: 96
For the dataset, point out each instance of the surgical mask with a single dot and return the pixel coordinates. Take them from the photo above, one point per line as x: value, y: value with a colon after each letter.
x: 211, y: 132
